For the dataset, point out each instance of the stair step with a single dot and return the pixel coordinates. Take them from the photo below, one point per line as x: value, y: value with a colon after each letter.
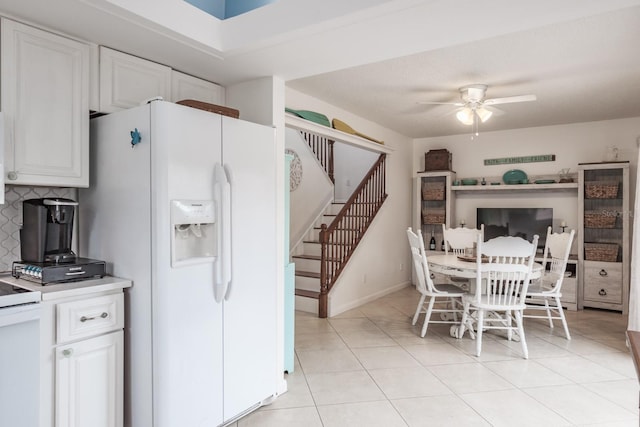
x: 307, y: 262
x: 308, y: 294
x: 308, y: 274
x: 312, y: 257
x: 340, y: 229
x: 304, y: 256
x: 318, y: 243
x: 328, y: 215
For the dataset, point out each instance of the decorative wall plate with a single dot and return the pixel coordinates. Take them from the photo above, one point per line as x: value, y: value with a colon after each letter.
x: 295, y: 174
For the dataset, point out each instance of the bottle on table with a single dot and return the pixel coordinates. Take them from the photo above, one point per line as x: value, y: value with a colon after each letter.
x: 432, y: 242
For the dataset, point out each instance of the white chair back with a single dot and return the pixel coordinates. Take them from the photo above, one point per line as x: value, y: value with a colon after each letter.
x: 505, y: 265
x: 456, y: 240
x: 556, y: 254
x: 423, y: 276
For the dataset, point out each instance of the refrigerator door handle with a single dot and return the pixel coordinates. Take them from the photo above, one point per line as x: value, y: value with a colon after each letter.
x: 227, y: 215
x: 220, y: 181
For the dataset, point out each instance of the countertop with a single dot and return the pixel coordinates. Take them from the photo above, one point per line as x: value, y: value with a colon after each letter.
x: 69, y: 289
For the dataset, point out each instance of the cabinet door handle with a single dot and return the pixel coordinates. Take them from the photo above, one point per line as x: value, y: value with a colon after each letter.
x: 602, y: 292
x: 12, y: 176
x: 67, y: 352
x: 104, y: 315
x: 603, y: 273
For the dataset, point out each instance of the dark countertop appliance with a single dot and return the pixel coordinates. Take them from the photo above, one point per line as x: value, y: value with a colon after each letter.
x: 47, y: 229
x: 45, y: 244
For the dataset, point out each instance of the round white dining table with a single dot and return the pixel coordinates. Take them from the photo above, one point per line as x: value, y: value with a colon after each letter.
x: 457, y: 266
x: 453, y: 265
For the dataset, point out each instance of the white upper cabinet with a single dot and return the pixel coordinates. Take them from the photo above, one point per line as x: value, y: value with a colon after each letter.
x: 126, y: 80
x: 45, y: 101
x: 184, y: 86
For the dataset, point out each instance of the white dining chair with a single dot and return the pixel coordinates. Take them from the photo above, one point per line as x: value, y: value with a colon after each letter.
x: 456, y: 240
x: 503, y: 268
x: 548, y: 289
x: 451, y: 294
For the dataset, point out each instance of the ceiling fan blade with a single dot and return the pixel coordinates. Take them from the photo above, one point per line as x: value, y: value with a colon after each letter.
x: 509, y: 99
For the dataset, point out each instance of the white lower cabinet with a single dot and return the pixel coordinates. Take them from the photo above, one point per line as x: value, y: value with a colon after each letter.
x: 89, y: 385
x: 81, y: 352
x: 89, y: 362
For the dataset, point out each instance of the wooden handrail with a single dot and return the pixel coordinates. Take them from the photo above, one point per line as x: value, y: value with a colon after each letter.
x: 340, y: 238
x: 322, y: 147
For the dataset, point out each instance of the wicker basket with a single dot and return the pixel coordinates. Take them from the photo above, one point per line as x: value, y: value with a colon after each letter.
x: 433, y: 216
x: 601, y: 252
x: 599, y: 219
x: 212, y: 108
x: 433, y: 191
x: 601, y: 189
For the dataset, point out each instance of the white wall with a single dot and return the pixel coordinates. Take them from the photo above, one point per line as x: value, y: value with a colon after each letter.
x: 571, y: 144
x: 351, y: 164
x: 375, y: 267
x: 313, y: 193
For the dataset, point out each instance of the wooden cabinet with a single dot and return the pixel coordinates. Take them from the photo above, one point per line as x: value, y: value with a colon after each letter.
x: 603, y: 235
x: 433, y: 205
x: 184, y: 86
x: 126, y: 80
x: 45, y: 101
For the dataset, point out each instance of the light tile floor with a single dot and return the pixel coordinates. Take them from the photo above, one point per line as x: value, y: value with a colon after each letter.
x: 369, y: 367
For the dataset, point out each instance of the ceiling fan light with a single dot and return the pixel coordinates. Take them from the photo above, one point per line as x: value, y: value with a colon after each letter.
x: 484, y: 114
x: 465, y: 116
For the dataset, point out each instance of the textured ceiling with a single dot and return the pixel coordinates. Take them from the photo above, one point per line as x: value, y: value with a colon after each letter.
x: 583, y: 70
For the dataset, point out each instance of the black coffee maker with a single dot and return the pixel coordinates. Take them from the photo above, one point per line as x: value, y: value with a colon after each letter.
x: 47, y: 228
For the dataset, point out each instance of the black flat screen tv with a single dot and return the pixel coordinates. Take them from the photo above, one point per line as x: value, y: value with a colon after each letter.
x: 521, y: 222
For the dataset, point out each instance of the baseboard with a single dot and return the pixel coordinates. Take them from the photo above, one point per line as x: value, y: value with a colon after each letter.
x: 336, y: 310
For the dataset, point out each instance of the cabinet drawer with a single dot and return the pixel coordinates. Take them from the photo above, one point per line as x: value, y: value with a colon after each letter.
x: 603, y: 282
x: 88, y: 317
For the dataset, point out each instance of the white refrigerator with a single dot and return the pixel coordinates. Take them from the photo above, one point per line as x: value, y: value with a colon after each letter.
x: 183, y: 202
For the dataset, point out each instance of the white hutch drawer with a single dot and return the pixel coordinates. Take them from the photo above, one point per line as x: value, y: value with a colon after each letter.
x: 603, y: 281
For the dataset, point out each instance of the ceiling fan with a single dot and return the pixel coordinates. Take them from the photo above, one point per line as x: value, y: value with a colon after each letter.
x: 473, y: 105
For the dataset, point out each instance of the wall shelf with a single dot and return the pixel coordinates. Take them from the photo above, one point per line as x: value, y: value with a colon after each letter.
x: 299, y: 123
x: 516, y: 187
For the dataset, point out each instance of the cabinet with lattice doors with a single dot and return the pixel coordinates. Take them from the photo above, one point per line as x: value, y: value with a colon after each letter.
x: 603, y: 235
x: 433, y: 205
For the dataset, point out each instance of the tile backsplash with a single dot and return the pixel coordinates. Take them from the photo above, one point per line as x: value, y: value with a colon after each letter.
x: 11, y: 217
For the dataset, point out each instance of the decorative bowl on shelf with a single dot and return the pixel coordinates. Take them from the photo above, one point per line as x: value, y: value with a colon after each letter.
x: 515, y: 176
x: 469, y: 181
